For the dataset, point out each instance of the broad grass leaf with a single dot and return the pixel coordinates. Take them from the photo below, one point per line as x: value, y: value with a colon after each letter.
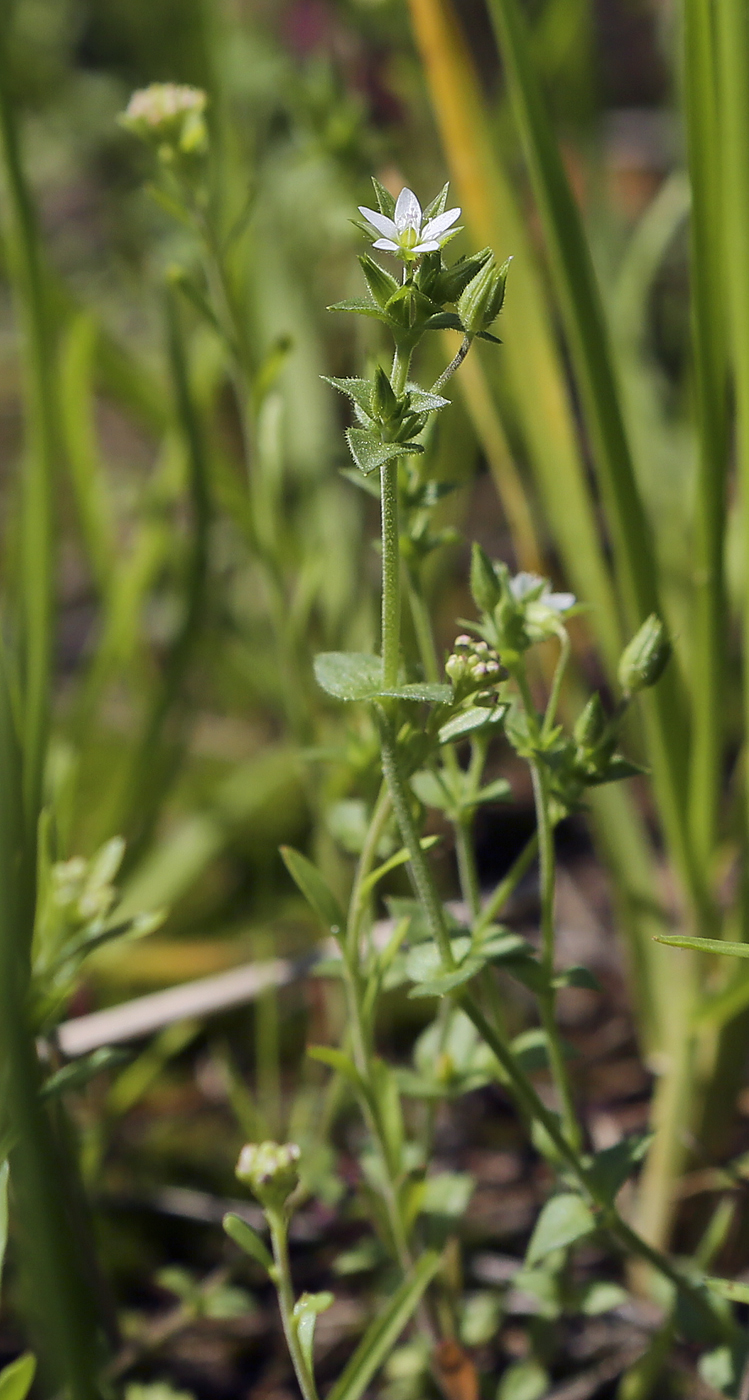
x: 243, y: 1235
x: 16, y: 1379
x: 383, y: 1333
x: 563, y: 1220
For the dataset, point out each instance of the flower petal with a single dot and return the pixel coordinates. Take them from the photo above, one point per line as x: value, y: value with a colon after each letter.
x: 440, y: 224
x: 560, y: 602
x: 430, y: 247
x: 380, y: 222
x: 407, y: 211
x: 387, y: 244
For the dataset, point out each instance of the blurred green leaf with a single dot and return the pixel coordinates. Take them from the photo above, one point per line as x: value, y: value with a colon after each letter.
x: 381, y: 1336
x: 243, y: 1235
x: 563, y: 1220
x: 315, y: 890
x: 16, y: 1379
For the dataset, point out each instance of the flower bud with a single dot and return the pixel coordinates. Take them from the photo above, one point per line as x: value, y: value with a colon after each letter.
x: 644, y: 660
x: 481, y: 301
x: 591, y: 725
x: 452, y: 281
x: 384, y: 402
x: 270, y: 1170
x: 169, y: 116
x: 485, y: 586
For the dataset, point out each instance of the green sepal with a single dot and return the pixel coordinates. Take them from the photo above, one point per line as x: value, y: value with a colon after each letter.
x: 381, y: 285
x: 443, y: 321
x: 385, y: 201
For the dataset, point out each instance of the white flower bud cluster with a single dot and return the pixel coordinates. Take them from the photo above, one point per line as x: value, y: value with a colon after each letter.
x: 169, y: 114
x: 270, y: 1170
x: 473, y: 666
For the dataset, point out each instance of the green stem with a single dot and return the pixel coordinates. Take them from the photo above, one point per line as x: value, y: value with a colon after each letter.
x: 469, y: 882
x: 422, y: 875
x: 454, y: 365
x: 556, y: 684
x: 284, y: 1288
x: 391, y: 606
x: 507, y: 886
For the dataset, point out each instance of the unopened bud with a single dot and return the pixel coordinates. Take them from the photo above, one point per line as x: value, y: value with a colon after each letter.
x: 481, y: 301
x: 644, y: 660
x: 591, y: 724
x: 170, y: 116
x: 270, y: 1170
x: 485, y: 586
x: 384, y: 402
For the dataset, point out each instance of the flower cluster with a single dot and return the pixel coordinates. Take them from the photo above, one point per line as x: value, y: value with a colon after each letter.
x: 169, y: 116
x: 473, y: 666
x: 270, y: 1170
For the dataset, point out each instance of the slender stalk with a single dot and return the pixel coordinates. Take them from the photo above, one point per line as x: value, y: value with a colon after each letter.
x: 454, y: 364
x: 507, y: 886
x: 556, y: 684
x: 469, y: 882
x: 284, y: 1287
x: 390, y: 574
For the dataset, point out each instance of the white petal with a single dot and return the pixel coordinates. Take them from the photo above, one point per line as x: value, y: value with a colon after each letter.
x: 407, y: 211
x: 426, y: 247
x: 386, y: 244
x: 383, y: 225
x: 560, y: 602
x: 440, y: 224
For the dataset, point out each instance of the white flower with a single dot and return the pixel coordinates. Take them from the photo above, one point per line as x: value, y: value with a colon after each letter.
x: 407, y: 234
x: 530, y: 586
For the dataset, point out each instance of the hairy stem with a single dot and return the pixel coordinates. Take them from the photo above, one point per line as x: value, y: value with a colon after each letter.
x: 390, y: 574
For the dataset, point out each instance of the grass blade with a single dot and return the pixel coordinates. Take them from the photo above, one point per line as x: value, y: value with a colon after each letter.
x: 385, y: 1331
x: 587, y: 334
x: 530, y: 361
x: 711, y: 404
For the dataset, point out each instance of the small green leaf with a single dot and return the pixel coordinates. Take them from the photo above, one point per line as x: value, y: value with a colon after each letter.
x: 370, y: 453
x: 400, y: 858
x: 524, y: 1380
x: 443, y: 320
x: 431, y: 790
x: 77, y: 1074
x: 16, y: 1379
x: 447, y: 1194
x: 304, y: 1316
x: 577, y: 976
x: 381, y: 1336
x: 731, y: 1289
x: 431, y: 691
x: 243, y: 1235
x: 563, y: 1220
x: 342, y: 1064
x: 468, y: 721
x: 360, y: 390
x: 601, y: 1297
x: 349, y: 675
x: 617, y: 768
x: 315, y: 890
x: 422, y: 401
x: 498, y: 791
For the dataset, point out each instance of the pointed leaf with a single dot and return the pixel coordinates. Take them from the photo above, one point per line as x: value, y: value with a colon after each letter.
x: 469, y: 721
x: 392, y: 863
x: 370, y: 453
x: 577, y: 976
x: 304, y: 1316
x: 704, y: 945
x: 612, y: 1166
x: 315, y: 890
x: 498, y: 791
x: 243, y: 1235
x: 438, y: 205
x: 421, y: 401
x: 443, y: 320
x: 362, y: 308
x: 342, y: 1064
x: 563, y: 1220
x: 360, y: 390
x: 384, y: 1332
x: 729, y: 1288
x: 385, y: 201
x: 16, y: 1379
